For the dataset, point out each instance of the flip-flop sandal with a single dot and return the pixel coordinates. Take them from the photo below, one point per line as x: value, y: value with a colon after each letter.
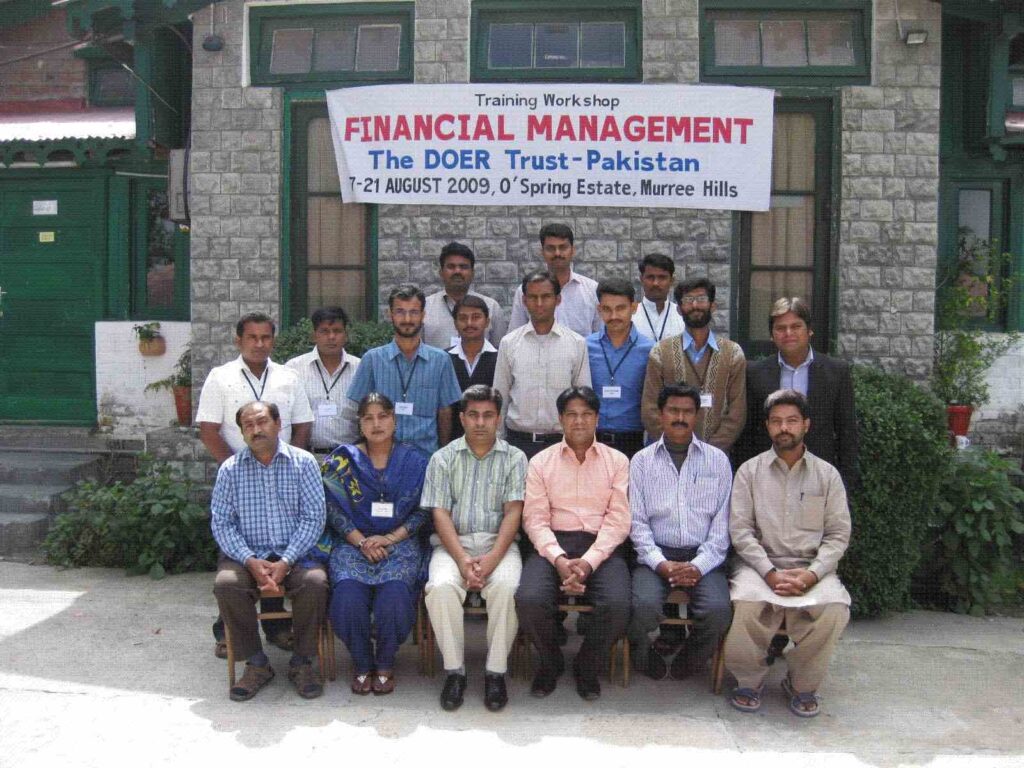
x: 798, y: 701
x: 383, y: 684
x: 362, y: 684
x: 220, y: 649
x: 753, y: 694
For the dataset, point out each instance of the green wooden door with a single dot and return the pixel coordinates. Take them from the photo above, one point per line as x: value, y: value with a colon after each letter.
x: 52, y: 256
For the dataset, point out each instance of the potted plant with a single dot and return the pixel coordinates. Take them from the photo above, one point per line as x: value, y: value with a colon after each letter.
x: 974, y: 295
x: 180, y: 384
x: 151, y: 342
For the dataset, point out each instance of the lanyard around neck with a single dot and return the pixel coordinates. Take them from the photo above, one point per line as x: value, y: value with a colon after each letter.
x: 607, y: 362
x: 264, y: 378
x: 657, y: 334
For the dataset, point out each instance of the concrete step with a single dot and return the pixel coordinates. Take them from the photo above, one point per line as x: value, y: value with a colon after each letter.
x: 22, y: 532
x: 34, y: 468
x: 32, y: 499
x: 51, y: 439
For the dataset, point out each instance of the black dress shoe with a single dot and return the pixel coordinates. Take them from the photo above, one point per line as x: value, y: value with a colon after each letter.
x: 544, y: 683
x: 453, y: 692
x: 587, y: 686
x: 495, y: 694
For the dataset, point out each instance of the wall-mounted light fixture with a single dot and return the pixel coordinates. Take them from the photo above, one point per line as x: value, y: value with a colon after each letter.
x: 213, y: 41
x: 910, y: 36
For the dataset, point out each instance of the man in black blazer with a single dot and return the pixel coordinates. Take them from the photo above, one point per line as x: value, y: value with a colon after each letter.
x: 474, y: 357
x: 824, y: 380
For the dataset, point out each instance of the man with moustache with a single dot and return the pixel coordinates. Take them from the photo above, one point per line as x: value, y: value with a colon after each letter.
x: 679, y: 498
x: 716, y: 366
x: 790, y: 526
x: 618, y: 362
x: 473, y: 356
x: 657, y: 317
x: 457, y: 264
x: 577, y: 309
x: 418, y: 379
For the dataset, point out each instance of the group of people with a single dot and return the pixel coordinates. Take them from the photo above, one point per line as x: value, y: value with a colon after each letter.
x: 584, y: 451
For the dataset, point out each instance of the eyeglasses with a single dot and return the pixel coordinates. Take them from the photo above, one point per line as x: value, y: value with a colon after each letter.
x: 699, y: 301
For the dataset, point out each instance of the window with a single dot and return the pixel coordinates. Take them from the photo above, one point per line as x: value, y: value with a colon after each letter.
x: 160, y: 286
x: 597, y: 41
x: 782, y: 43
x: 331, y: 43
x: 110, y: 85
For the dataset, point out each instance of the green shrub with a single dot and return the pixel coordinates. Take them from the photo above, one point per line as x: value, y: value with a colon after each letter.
x: 903, y: 455
x: 149, y: 525
x: 970, y: 562
x: 362, y: 335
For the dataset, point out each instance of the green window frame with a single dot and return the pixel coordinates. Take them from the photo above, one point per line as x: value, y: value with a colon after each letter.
x: 317, y: 19
x: 487, y: 13
x: 856, y: 13
x: 156, y: 242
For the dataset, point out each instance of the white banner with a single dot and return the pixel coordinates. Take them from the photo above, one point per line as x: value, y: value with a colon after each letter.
x: 656, y: 146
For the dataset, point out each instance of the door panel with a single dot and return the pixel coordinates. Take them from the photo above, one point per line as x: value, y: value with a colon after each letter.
x: 52, y: 269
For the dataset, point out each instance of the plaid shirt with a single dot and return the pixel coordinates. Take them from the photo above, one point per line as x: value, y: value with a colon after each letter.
x: 258, y: 511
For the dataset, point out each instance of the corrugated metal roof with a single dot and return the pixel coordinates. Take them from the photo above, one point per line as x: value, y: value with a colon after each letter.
x: 116, y: 123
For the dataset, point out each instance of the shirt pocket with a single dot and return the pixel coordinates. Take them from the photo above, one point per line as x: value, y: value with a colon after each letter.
x: 287, y: 487
x: 811, y: 516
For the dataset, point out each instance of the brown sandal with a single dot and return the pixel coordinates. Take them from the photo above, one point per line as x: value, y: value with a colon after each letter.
x: 362, y: 684
x: 383, y: 684
x: 252, y: 680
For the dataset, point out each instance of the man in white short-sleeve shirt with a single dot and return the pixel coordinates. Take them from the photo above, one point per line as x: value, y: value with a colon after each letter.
x: 252, y: 376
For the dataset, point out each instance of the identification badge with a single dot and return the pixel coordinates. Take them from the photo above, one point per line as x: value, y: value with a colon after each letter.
x: 382, y: 509
x: 705, y: 400
x: 453, y: 341
x: 611, y: 393
x: 403, y: 409
x: 327, y: 409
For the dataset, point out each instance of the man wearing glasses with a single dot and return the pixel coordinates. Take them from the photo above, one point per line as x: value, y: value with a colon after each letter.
x: 699, y: 358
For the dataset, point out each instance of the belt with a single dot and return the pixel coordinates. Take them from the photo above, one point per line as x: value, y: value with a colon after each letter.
x: 534, y: 437
x: 608, y: 436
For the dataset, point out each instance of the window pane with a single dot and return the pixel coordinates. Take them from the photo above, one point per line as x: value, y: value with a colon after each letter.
x: 793, y: 152
x: 974, y: 218
x: 378, y: 47
x: 737, y: 43
x: 557, y: 46
x: 510, y: 46
x: 291, y: 51
x: 329, y: 288
x: 784, y: 236
x: 603, y: 44
x: 335, y: 50
x: 159, y: 251
x: 321, y: 167
x: 336, y: 233
x: 783, y: 44
x: 765, y: 288
x: 831, y: 43
x: 1018, y: 91
x: 114, y: 86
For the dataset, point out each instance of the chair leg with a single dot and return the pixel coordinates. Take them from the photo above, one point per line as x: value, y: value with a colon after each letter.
x: 332, y: 664
x: 231, y: 656
x: 626, y: 665
x: 718, y: 668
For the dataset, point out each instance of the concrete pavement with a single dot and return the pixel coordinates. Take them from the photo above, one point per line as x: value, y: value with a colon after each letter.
x: 101, y: 669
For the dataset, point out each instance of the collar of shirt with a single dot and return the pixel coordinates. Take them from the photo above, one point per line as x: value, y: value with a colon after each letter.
x: 243, y: 366
x: 688, y: 342
x: 634, y: 335
x: 316, y: 358
x: 652, y: 307
x: 556, y: 329
x: 781, y: 463
x: 591, y: 451
x: 458, y: 350
x: 695, y: 445
x: 807, y: 361
x: 246, y: 454
x: 393, y: 351
x: 500, y: 446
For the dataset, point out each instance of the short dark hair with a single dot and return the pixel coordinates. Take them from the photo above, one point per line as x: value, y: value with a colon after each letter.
x: 586, y: 394
x: 561, y: 231
x: 693, y: 284
x: 272, y: 409
x: 469, y: 300
x: 406, y: 292
x: 678, y: 390
x: 480, y: 393
x: 328, y: 315
x: 658, y: 261
x: 254, y: 317
x: 541, y: 276
x: 374, y: 398
x: 796, y: 305
x: 456, y: 249
x: 616, y: 286
x: 787, y: 397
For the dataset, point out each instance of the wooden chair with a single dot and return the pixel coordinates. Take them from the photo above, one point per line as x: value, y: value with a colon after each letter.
x: 681, y: 598
x: 324, y: 642
x: 474, y: 605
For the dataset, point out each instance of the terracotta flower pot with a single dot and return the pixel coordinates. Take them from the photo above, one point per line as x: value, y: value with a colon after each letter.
x: 959, y: 419
x: 153, y: 347
x: 183, y: 405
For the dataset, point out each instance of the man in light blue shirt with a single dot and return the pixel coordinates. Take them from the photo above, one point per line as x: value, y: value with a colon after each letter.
x: 419, y: 379
x: 618, y: 361
x: 679, y: 491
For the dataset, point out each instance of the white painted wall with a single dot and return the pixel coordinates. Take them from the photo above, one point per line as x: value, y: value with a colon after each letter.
x: 122, y: 373
x: 1006, y: 383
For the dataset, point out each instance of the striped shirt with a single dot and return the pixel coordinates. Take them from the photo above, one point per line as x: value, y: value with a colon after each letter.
x: 475, y: 490
x: 439, y: 325
x: 258, y: 511
x: 796, y: 378
x: 577, y: 310
x: 334, y: 415
x: 684, y: 508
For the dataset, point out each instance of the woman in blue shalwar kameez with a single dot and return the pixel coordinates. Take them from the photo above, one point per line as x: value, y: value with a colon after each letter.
x: 373, y: 514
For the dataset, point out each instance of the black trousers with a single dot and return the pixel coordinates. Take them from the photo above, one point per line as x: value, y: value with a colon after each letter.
x: 607, y: 591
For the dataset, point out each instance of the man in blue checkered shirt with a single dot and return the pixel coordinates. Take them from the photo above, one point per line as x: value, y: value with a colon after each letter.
x: 267, y: 511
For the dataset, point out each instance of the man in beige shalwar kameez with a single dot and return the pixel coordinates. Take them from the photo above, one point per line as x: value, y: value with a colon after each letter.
x: 790, y: 525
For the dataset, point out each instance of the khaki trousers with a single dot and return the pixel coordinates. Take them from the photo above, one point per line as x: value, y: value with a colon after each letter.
x: 814, y: 630
x: 446, y: 592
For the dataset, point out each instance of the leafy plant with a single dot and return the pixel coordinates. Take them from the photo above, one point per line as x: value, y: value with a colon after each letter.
x: 147, y: 331
x: 971, y: 554
x: 149, y: 525
x: 298, y: 339
x: 180, y: 377
x: 904, y: 452
x: 975, y: 292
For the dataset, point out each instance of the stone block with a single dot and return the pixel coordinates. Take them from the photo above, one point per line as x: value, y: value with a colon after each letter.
x: 891, y: 277
x: 860, y: 277
x: 878, y: 120
x: 923, y: 143
x: 503, y: 227
x: 865, y: 97
x: 922, y: 233
x: 598, y: 251
x: 873, y: 345
x: 904, y: 210
x: 878, y: 165
x: 918, y: 323
x: 862, y: 141
x: 864, y: 232
x: 876, y: 210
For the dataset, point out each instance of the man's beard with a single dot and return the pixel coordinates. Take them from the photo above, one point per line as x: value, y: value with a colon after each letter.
x: 699, y: 319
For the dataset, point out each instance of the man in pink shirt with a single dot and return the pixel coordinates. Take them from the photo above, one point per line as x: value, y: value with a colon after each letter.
x: 576, y: 513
